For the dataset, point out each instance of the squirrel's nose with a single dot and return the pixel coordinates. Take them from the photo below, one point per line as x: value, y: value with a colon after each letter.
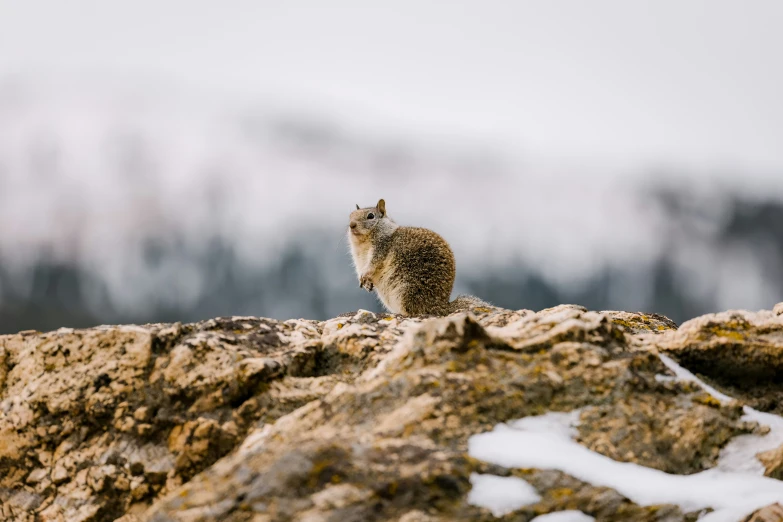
x: 353, y: 224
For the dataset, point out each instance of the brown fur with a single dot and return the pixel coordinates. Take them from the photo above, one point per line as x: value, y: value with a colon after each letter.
x: 411, y: 269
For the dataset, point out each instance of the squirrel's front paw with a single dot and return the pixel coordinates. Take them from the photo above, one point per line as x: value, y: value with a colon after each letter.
x: 366, y: 283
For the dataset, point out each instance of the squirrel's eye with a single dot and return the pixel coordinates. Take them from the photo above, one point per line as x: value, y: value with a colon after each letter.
x: 370, y: 216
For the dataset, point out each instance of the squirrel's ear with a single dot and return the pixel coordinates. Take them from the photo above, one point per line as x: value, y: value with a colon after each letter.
x: 382, y: 207
x: 357, y: 206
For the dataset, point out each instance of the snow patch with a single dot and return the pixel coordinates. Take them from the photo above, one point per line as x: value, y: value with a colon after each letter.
x: 562, y: 424
x: 740, y: 453
x: 516, y: 448
x: 734, y: 489
x: 564, y: 516
x: 501, y: 495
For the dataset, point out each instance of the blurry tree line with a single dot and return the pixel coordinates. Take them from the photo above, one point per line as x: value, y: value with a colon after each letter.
x: 303, y: 282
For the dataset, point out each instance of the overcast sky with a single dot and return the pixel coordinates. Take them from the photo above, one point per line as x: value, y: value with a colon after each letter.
x: 685, y: 82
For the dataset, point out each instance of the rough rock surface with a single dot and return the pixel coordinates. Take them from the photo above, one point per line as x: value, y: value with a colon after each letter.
x: 363, y: 417
x: 740, y: 352
x: 773, y: 513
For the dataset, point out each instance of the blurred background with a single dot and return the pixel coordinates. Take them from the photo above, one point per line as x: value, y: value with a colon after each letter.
x: 180, y: 160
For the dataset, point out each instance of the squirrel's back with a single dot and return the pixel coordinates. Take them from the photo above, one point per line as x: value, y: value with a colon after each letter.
x: 418, y: 274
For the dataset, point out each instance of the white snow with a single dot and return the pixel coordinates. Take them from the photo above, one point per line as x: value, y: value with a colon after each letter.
x: 517, y: 448
x: 734, y: 489
x: 501, y: 495
x: 740, y: 453
x: 564, y: 516
x: 562, y: 424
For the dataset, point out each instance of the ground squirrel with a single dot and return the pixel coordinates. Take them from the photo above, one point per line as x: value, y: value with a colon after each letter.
x: 411, y: 269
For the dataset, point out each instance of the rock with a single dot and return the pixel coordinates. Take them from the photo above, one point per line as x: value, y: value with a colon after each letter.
x: 106, y: 401
x: 339, y: 496
x: 361, y: 417
x: 24, y: 501
x: 37, y: 476
x: 446, y: 380
x: 738, y: 351
x: 773, y: 462
x: 60, y: 474
x: 142, y: 414
x: 772, y: 513
x: 656, y: 433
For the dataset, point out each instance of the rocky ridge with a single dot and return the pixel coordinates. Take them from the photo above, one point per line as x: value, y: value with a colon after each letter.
x: 366, y: 417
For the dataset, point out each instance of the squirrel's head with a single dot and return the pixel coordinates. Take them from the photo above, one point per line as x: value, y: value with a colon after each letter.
x: 363, y: 221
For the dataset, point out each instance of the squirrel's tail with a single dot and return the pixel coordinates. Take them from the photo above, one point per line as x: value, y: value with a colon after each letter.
x: 465, y: 303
